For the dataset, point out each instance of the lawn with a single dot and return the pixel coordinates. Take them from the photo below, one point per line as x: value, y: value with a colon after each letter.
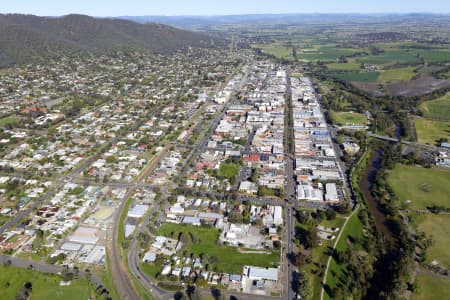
x: 437, y: 109
x: 356, y: 76
x: 429, y: 132
x: 13, y: 121
x: 44, y: 286
x: 395, y: 75
x: 431, y: 288
x: 438, y: 228
x: 423, y: 187
x: 347, y: 118
x: 229, y: 259
x: 228, y: 170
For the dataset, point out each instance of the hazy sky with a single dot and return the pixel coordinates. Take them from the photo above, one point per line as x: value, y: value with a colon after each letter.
x: 211, y: 7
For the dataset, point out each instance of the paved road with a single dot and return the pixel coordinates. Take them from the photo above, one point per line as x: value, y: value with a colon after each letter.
x: 394, y: 140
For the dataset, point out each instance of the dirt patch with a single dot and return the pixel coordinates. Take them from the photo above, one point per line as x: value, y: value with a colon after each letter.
x: 423, y: 85
x: 371, y: 88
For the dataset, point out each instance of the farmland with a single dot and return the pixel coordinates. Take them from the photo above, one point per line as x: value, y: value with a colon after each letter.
x: 400, y: 74
x: 429, y: 131
x: 423, y: 187
x: 437, y: 109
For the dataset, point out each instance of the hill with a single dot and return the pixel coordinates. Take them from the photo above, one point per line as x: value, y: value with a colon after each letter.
x: 25, y: 38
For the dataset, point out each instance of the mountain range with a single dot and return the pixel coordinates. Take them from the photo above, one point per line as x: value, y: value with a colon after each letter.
x: 29, y: 38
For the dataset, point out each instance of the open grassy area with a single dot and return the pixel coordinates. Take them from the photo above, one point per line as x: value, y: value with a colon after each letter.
x: 336, y: 272
x: 392, y: 56
x: 395, y: 75
x: 343, y: 66
x: 434, y: 56
x: 437, y: 109
x: 228, y: 170
x: 229, y: 259
x: 44, y: 286
x: 347, y: 118
x: 438, y: 228
x: 276, y: 50
x: 356, y: 76
x: 431, y: 288
x: 430, y: 131
x: 12, y: 121
x: 424, y: 187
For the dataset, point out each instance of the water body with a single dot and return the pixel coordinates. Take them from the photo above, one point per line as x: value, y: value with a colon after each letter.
x: 373, y: 205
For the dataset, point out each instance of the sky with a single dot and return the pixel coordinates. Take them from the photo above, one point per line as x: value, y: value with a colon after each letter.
x: 103, y: 8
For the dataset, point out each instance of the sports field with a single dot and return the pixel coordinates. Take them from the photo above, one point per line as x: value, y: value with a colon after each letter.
x: 347, y: 118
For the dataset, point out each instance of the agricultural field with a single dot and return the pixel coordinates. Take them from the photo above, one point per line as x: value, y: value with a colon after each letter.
x: 423, y: 187
x: 343, y: 67
x: 438, y: 228
x: 400, y: 74
x: 356, y: 76
x: 437, y: 109
x: 435, y: 56
x: 227, y: 259
x: 392, y: 56
x: 44, y: 286
x: 429, y: 131
x: 347, y: 118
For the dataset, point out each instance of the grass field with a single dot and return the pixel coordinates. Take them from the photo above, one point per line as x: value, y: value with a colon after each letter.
x: 276, y: 50
x: 229, y: 259
x: 44, y: 286
x: 438, y: 228
x: 430, y: 131
x: 228, y: 170
x: 336, y: 272
x: 424, y: 187
x: 395, y: 75
x: 431, y: 288
x: 392, y: 56
x: 433, y: 56
x: 347, y: 118
x: 13, y: 121
x: 437, y: 109
x: 356, y: 76
x: 343, y: 67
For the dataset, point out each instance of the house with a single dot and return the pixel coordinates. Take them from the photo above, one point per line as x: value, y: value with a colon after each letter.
x: 149, y: 257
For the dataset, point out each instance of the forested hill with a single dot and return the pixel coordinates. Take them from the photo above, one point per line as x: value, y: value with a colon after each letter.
x: 27, y: 38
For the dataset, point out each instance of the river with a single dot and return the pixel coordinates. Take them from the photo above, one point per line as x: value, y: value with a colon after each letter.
x: 366, y: 185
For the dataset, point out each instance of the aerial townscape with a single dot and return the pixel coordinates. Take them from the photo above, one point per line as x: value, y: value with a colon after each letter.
x: 197, y: 151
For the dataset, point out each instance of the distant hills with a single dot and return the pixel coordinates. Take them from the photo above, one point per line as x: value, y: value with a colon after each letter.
x: 27, y: 38
x: 200, y: 22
